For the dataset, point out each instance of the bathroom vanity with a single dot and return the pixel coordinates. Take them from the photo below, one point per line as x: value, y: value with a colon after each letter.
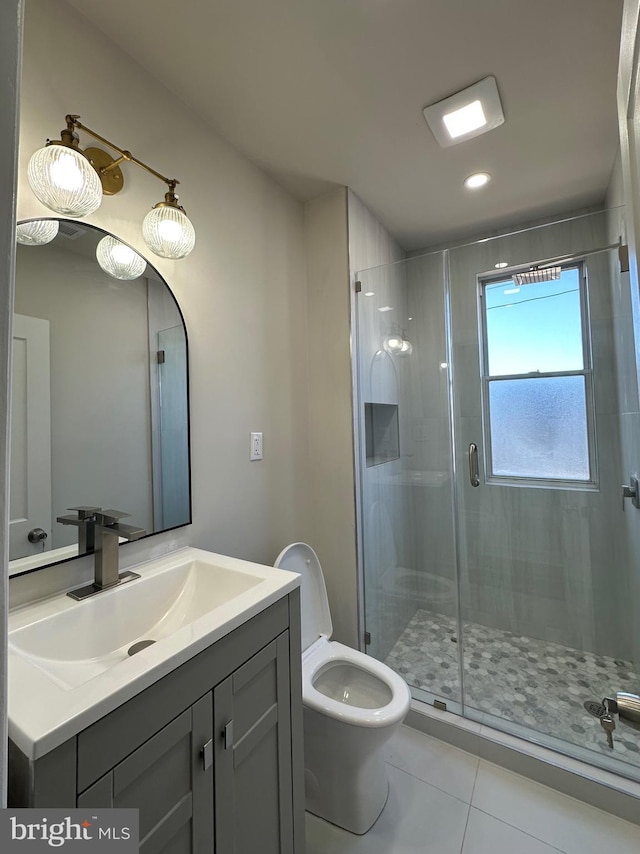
x: 201, y: 731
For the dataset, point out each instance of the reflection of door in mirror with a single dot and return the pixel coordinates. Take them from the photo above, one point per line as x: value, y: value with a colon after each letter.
x: 172, y: 428
x: 30, y: 497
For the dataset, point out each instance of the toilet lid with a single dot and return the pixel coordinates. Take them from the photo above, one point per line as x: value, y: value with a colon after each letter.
x: 314, y: 604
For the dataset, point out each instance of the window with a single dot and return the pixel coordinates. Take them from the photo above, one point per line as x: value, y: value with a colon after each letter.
x: 537, y: 378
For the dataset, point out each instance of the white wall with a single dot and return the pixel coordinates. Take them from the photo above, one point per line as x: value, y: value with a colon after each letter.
x: 241, y: 290
x: 10, y: 29
x: 331, y: 529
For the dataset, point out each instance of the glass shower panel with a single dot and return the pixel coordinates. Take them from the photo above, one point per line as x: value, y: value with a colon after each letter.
x: 547, y: 620
x: 407, y: 535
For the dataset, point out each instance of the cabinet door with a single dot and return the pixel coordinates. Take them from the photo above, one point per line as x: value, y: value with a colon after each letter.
x: 166, y: 779
x: 252, y: 726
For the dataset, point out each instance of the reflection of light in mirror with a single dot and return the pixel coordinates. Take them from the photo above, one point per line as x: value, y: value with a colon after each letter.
x: 370, y: 294
x: 443, y: 365
x: 509, y: 291
x: 119, y: 260
x: 64, y: 181
x: 386, y: 308
x: 407, y: 348
x: 36, y: 233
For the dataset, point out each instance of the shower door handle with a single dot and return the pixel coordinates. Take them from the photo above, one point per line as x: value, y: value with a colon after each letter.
x: 474, y: 477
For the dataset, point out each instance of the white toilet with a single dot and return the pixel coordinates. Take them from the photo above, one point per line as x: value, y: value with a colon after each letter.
x: 352, y: 706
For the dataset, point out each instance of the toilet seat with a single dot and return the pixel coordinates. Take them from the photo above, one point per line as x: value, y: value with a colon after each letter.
x: 319, y: 652
x: 331, y: 653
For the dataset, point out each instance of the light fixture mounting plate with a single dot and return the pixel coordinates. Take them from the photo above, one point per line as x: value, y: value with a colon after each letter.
x: 113, y: 180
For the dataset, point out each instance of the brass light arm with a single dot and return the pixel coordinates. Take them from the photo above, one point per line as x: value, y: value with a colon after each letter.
x: 73, y: 123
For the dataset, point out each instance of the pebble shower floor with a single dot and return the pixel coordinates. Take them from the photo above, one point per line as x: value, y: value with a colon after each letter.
x: 520, y: 679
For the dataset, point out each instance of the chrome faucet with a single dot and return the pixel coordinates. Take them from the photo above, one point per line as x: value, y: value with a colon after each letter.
x: 106, y: 529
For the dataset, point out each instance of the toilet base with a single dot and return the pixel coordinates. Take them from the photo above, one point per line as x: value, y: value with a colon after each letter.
x: 351, y: 829
x: 345, y: 774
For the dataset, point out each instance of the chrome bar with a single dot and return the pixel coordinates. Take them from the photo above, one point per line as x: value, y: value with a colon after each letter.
x: 473, y: 465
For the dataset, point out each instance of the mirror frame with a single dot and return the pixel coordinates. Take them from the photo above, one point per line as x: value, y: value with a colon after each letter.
x: 188, y: 390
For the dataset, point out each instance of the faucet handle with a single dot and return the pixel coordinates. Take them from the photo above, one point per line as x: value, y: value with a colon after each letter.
x: 85, y: 512
x: 110, y: 517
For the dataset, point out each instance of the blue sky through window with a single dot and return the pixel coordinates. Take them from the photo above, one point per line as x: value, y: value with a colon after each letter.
x: 536, y: 327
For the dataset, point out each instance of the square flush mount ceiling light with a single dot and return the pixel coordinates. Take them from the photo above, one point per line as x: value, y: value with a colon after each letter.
x: 475, y: 110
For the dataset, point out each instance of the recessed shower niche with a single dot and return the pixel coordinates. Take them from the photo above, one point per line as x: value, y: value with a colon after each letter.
x: 381, y: 433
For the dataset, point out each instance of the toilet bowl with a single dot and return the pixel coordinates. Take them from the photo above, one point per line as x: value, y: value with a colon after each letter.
x: 352, y: 706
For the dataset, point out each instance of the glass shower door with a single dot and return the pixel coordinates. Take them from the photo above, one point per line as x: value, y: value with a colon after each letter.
x: 540, y: 363
x: 407, y: 536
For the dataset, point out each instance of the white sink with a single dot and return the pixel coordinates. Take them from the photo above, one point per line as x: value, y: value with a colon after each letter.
x: 72, y: 658
x: 75, y: 644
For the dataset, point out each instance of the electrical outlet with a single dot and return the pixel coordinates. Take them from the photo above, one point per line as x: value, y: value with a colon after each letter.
x: 256, y: 446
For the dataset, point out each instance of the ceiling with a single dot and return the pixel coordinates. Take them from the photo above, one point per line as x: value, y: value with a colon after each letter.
x: 321, y: 93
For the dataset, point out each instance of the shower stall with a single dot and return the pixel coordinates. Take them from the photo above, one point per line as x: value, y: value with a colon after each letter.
x: 498, y: 418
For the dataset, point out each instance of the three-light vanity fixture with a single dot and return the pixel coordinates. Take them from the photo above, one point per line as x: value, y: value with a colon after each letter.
x: 71, y: 181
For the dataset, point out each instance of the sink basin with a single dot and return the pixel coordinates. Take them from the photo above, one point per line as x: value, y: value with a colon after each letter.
x: 80, y: 640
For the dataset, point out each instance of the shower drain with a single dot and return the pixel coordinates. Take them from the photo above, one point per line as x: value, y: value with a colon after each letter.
x: 595, y: 709
x: 138, y: 647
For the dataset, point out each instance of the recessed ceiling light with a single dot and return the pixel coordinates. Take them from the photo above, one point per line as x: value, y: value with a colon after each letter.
x: 386, y: 308
x: 478, y: 179
x: 474, y: 110
x: 464, y: 120
x: 370, y: 294
x: 501, y: 265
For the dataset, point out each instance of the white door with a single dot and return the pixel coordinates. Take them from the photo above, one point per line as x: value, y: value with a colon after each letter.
x: 30, y: 483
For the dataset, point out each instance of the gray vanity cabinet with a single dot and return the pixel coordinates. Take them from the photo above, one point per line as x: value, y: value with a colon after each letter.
x: 165, y: 779
x: 210, y: 754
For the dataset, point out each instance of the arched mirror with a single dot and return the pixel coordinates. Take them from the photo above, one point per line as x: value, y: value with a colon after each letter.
x: 100, y: 414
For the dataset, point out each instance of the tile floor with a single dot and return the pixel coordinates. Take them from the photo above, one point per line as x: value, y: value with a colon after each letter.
x: 528, y: 681
x: 445, y: 801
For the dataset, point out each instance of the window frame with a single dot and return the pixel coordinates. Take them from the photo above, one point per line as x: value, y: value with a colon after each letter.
x: 592, y: 482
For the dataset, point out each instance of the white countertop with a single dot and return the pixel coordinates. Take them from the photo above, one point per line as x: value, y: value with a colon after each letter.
x: 44, y: 711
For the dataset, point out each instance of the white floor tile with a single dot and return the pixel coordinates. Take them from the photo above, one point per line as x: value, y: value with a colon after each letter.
x: 433, y: 761
x: 488, y: 835
x: 560, y: 821
x: 417, y: 818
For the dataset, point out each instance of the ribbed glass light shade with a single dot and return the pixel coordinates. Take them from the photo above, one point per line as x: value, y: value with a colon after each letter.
x: 119, y: 260
x: 168, y: 232
x: 37, y: 233
x: 64, y: 180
